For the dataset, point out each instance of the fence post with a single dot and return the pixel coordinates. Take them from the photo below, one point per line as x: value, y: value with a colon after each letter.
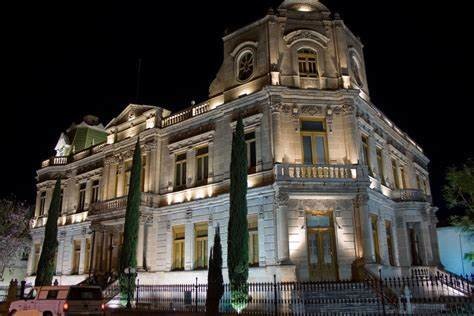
x: 138, y: 289
x: 407, y: 296
x: 381, y: 292
x: 196, y: 302
x: 275, y: 294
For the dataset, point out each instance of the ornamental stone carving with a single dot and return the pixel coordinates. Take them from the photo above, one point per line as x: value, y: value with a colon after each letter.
x: 312, y: 110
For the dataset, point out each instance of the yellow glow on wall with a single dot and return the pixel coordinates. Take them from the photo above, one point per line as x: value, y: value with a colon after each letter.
x: 304, y: 8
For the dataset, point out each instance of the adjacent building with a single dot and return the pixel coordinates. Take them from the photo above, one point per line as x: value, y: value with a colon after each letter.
x: 331, y: 178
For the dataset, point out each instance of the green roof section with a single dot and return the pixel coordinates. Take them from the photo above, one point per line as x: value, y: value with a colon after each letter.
x: 87, y: 134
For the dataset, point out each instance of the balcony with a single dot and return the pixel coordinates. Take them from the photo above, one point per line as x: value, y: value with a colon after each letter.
x: 55, y: 161
x: 118, y: 204
x: 409, y: 195
x: 289, y: 172
x: 186, y: 114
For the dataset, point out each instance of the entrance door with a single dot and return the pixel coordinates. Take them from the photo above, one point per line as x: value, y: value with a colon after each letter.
x: 322, y: 258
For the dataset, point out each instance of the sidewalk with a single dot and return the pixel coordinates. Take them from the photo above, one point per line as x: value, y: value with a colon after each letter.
x: 121, y: 312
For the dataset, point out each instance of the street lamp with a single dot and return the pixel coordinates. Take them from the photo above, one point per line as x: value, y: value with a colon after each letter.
x: 129, y: 272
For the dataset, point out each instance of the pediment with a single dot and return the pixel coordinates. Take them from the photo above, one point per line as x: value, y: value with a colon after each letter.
x: 130, y: 113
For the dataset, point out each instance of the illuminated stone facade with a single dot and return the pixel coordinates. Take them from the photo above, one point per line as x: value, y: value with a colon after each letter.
x: 331, y: 178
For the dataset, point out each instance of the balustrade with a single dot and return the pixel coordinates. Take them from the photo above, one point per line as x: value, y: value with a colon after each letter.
x: 314, y: 172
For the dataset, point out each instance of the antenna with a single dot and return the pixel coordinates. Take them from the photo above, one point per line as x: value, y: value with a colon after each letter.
x: 139, y: 77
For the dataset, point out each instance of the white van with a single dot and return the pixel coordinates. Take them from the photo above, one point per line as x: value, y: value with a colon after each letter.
x: 61, y: 300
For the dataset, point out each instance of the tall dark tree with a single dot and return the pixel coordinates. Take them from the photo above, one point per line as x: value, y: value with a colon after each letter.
x: 238, y: 235
x: 128, y: 257
x: 215, y: 280
x: 47, y: 260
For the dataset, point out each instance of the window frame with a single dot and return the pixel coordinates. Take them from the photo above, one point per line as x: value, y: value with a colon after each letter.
x: 314, y: 136
x: 245, y: 51
x: 204, y: 168
x: 180, y: 164
x: 304, y: 55
x: 198, y: 259
x: 254, y: 254
x: 81, y: 204
x: 252, y: 167
x: 178, y: 241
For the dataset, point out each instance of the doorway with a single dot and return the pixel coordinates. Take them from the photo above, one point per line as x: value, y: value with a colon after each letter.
x: 321, y: 241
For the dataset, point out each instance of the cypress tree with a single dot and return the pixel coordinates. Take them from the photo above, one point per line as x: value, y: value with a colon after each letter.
x: 215, y: 280
x: 128, y: 257
x: 47, y: 260
x: 238, y: 235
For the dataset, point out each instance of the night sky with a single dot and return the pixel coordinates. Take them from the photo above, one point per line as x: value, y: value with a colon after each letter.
x: 63, y: 61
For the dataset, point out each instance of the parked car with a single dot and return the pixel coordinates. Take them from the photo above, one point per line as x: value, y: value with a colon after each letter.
x: 61, y: 300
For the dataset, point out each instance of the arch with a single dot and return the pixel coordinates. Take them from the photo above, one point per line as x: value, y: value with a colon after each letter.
x: 243, y: 45
x: 245, y: 64
x: 306, y: 35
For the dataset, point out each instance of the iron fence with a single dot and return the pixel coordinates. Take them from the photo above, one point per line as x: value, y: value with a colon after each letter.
x: 415, y: 295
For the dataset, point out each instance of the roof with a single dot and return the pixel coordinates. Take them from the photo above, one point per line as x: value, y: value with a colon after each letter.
x: 304, y: 5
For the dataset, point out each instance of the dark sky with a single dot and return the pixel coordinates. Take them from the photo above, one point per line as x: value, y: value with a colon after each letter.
x: 63, y: 61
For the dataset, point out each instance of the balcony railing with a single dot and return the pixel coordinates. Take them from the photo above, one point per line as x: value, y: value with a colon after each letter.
x: 118, y: 204
x: 55, y: 161
x: 186, y: 114
x: 409, y: 195
x: 315, y: 172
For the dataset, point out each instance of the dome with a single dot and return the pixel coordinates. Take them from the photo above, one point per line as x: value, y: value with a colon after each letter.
x: 304, y: 5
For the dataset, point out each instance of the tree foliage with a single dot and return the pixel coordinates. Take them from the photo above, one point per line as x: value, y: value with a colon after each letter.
x: 14, y: 232
x: 47, y: 260
x: 459, y: 193
x: 215, y: 280
x: 128, y: 258
x: 237, y: 241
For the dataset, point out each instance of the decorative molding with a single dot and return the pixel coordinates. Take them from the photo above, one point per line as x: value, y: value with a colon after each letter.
x: 238, y: 48
x: 312, y: 110
x: 192, y: 141
x: 306, y: 35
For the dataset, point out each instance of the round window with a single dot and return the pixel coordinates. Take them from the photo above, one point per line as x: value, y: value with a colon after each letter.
x: 245, y: 66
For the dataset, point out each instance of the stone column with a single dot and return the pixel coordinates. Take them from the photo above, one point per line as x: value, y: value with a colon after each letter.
x: 147, y: 168
x: 258, y: 148
x: 82, y: 258
x: 383, y: 242
x: 140, y: 245
x: 210, y: 178
x: 189, y: 246
x: 31, y: 259
x: 403, y: 243
x: 121, y: 180
x: 366, y: 230
x: 261, y: 238
x: 283, y: 247
x: 352, y: 134
x: 60, y: 255
x: 68, y: 254
x: 104, y: 181
x: 88, y: 195
x: 191, y: 168
x: 38, y: 202
x: 277, y: 154
x: 111, y: 183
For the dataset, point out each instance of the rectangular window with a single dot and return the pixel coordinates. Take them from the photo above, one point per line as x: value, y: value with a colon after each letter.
x: 42, y: 203
x: 202, y: 165
x: 76, y: 256
x: 37, y: 253
x: 95, y: 192
x: 180, y: 172
x: 389, y: 232
x: 396, y: 177
x: 178, y: 248
x: 314, y: 142
x: 250, y: 139
x: 375, y: 237
x: 307, y: 63
x: 404, y: 180
x: 127, y: 174
x: 254, y: 259
x: 82, y: 197
x: 366, y: 150
x: 200, y: 231
x: 380, y: 166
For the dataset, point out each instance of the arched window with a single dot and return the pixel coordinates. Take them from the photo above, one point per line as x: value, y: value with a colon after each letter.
x: 245, y: 65
x: 307, y: 60
x: 356, y: 70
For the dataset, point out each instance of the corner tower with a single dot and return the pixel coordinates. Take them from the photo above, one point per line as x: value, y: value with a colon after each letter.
x: 300, y: 45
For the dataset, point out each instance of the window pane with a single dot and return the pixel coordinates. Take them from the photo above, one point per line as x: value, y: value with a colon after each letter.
x: 327, y: 248
x: 321, y: 149
x: 312, y: 126
x: 253, y: 155
x: 319, y: 221
x: 313, y: 249
x: 206, y: 168
x: 307, y: 150
x: 199, y: 169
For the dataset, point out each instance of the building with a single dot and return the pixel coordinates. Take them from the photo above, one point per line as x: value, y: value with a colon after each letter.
x: 455, y: 246
x: 331, y: 178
